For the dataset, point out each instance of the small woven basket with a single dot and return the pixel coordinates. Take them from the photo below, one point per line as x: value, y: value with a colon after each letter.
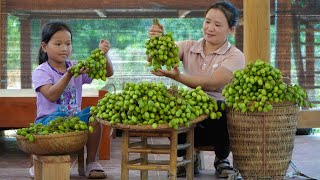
x: 54, y: 144
x: 262, y: 143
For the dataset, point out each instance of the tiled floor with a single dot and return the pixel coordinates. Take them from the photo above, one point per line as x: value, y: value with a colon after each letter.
x: 14, y: 163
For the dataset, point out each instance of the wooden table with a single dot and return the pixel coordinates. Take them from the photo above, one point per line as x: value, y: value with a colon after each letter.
x: 142, y: 147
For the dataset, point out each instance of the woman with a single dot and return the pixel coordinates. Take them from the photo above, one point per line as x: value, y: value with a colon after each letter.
x: 209, y: 63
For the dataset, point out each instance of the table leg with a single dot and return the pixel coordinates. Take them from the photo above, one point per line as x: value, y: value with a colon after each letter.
x: 189, y: 154
x: 125, y: 156
x: 173, y: 155
x: 144, y: 173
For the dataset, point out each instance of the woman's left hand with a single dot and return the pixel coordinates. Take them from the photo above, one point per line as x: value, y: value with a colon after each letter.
x: 104, y: 46
x: 175, y: 72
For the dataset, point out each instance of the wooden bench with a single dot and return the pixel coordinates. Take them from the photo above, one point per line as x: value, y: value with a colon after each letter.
x: 309, y: 118
x: 18, y: 108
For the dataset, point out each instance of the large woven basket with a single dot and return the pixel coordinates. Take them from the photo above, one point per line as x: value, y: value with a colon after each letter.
x: 262, y: 143
x: 54, y: 144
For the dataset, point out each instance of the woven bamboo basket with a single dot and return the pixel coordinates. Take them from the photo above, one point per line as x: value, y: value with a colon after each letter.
x: 53, y: 144
x: 262, y: 143
x: 147, y: 127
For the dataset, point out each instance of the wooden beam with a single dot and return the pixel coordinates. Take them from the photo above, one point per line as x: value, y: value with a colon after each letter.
x: 30, y: 5
x: 256, y: 19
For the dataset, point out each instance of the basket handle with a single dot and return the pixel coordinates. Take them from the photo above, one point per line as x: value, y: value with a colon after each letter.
x: 106, y: 88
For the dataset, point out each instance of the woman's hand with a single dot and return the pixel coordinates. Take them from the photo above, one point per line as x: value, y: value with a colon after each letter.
x: 104, y: 46
x: 155, y: 30
x: 173, y: 74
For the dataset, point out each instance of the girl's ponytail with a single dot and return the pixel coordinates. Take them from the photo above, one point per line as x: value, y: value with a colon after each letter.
x: 42, y: 56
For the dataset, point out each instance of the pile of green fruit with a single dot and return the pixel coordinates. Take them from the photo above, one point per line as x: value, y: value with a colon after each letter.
x: 57, y: 126
x: 147, y: 103
x: 96, y: 63
x: 258, y: 86
x: 162, y: 50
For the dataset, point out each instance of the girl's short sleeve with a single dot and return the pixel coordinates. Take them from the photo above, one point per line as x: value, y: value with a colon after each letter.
x: 40, y: 77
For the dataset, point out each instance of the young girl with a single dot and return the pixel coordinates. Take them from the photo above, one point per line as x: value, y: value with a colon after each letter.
x: 59, y: 93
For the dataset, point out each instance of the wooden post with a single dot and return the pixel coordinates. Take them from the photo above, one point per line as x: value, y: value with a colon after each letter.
x: 310, y: 58
x: 239, y: 37
x: 3, y: 30
x: 283, y: 39
x: 256, y: 19
x: 25, y: 46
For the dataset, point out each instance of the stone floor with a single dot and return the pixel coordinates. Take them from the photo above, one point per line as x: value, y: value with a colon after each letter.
x: 14, y: 163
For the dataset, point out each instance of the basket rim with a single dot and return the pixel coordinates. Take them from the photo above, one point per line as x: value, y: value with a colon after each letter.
x: 148, y: 127
x: 49, y: 136
x: 276, y: 104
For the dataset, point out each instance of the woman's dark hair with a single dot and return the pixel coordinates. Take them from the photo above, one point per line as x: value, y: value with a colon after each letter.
x: 47, y: 32
x: 228, y: 9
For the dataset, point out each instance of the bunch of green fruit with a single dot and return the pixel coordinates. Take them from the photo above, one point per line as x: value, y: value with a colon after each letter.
x: 258, y: 86
x: 153, y: 103
x: 96, y: 63
x: 56, y: 126
x: 162, y: 50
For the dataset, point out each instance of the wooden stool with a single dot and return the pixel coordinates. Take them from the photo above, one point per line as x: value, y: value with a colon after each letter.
x: 81, y: 162
x: 51, y: 167
x: 142, y: 147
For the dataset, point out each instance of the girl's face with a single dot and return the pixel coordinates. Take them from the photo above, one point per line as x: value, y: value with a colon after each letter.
x: 59, y: 47
x: 215, y: 27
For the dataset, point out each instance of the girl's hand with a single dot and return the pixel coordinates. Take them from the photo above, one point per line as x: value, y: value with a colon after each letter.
x: 173, y: 74
x: 83, y: 70
x: 155, y: 30
x: 104, y: 46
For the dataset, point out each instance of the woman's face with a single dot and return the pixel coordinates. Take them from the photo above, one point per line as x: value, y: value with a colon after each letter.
x: 215, y: 27
x: 59, y: 47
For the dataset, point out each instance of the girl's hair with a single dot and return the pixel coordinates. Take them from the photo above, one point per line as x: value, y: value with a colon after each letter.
x: 47, y: 32
x: 228, y: 9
